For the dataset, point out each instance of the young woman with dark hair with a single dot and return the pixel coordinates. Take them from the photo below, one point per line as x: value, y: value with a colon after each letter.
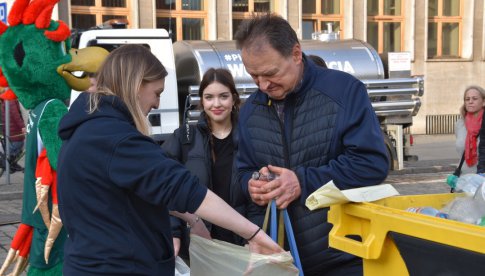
x: 208, y: 150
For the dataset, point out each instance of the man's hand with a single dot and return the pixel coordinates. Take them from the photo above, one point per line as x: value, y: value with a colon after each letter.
x: 285, y: 188
x: 255, y: 189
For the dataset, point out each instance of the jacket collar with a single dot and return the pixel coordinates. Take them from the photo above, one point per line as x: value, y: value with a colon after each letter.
x: 188, y: 132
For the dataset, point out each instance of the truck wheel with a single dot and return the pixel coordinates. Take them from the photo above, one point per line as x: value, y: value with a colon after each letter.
x: 391, y: 152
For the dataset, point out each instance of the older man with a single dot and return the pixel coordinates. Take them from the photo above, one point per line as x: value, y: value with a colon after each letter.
x: 308, y: 125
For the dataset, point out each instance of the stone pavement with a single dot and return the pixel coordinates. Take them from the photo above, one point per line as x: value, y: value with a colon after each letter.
x: 436, y: 154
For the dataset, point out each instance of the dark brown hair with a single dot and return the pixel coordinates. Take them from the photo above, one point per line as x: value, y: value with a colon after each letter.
x: 267, y: 28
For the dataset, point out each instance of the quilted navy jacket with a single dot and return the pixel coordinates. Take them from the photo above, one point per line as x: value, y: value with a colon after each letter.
x: 330, y: 132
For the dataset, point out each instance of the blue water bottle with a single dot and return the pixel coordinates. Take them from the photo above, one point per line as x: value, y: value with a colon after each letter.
x: 430, y: 211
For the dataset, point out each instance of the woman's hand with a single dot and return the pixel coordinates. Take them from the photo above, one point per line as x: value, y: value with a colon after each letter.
x: 197, y: 227
x: 176, y: 246
x: 263, y: 244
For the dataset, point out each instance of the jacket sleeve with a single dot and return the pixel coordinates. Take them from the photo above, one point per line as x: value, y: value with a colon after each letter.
x: 481, y: 150
x: 172, y: 146
x: 245, y: 162
x: 176, y: 225
x: 460, y: 135
x: 242, y: 203
x: 173, y: 149
x: 138, y: 164
x: 360, y: 156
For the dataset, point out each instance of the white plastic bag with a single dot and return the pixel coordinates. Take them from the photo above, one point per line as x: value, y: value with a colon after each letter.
x: 214, y: 258
x: 181, y: 269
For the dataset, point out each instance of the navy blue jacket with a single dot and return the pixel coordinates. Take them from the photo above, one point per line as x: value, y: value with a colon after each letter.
x: 330, y: 132
x: 115, y: 190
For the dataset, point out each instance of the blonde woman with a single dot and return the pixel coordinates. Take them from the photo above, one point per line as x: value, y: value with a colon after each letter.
x: 467, y: 128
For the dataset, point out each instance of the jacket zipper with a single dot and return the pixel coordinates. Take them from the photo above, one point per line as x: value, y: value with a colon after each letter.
x: 283, y: 136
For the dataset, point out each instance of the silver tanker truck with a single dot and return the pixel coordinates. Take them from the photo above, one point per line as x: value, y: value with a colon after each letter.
x: 395, y: 100
x: 394, y: 94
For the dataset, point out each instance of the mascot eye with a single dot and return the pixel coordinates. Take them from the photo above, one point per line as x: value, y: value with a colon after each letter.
x: 19, y: 54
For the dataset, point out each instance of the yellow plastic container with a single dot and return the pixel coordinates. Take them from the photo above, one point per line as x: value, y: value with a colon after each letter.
x: 374, y: 222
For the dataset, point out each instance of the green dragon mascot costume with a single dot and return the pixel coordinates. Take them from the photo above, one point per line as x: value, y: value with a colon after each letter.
x: 36, y: 63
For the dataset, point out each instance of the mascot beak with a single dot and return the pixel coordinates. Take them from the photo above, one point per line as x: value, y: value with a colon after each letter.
x: 84, y: 61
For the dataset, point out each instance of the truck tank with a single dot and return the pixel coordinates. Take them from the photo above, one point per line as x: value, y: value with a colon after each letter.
x: 194, y: 57
x: 395, y: 100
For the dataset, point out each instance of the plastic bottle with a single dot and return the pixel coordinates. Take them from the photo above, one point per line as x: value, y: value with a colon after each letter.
x: 479, y: 196
x: 469, y: 183
x: 469, y: 208
x: 266, y: 177
x: 430, y: 211
x: 465, y: 209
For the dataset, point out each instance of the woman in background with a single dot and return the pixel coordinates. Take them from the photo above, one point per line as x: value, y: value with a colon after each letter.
x: 467, y: 128
x: 16, y: 137
x: 208, y: 150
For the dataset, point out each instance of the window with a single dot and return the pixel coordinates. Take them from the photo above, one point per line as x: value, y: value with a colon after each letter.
x: 444, y: 28
x: 183, y: 19
x: 242, y: 9
x: 86, y: 14
x: 320, y: 16
x: 385, y: 23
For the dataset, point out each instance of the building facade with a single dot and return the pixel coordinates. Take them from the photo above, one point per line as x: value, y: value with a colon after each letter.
x: 444, y: 37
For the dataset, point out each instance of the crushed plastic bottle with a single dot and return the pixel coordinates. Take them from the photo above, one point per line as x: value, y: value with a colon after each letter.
x: 468, y: 209
x: 469, y: 183
x: 430, y: 211
x: 464, y: 209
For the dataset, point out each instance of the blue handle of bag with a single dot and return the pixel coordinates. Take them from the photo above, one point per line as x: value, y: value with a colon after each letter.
x: 289, y: 234
x: 292, y: 242
x: 273, y: 231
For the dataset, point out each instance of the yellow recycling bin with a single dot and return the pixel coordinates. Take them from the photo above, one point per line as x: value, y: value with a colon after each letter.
x: 397, y: 242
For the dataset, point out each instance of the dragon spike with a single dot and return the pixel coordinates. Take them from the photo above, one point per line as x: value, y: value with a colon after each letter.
x: 61, y: 34
x: 44, y: 19
x: 8, y: 95
x: 3, y: 79
x: 17, y: 12
x: 36, y: 8
x: 3, y: 27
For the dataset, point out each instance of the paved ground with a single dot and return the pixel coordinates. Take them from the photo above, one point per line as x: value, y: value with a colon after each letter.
x: 437, y: 158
